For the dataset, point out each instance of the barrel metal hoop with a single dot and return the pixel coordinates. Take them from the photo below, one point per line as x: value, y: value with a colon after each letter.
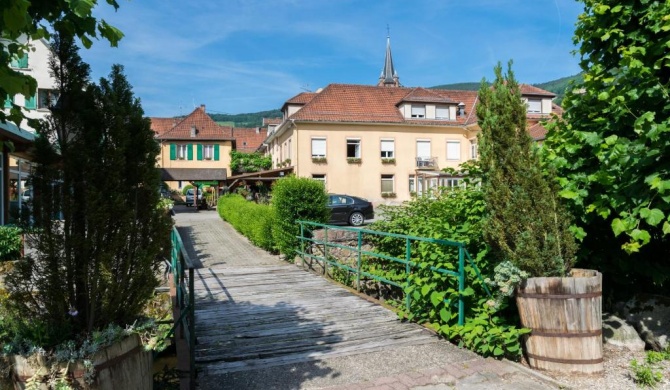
x: 565, y: 361
x: 591, y: 333
x: 596, y: 294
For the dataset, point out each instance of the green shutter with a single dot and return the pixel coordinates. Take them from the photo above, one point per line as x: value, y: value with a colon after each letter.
x: 31, y: 102
x: 216, y: 152
x: 8, y: 102
x: 199, y: 151
x: 189, y: 149
x: 173, y: 152
x: 21, y: 63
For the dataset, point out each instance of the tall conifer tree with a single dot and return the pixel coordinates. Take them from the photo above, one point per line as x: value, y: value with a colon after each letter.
x: 100, y: 233
x: 526, y: 223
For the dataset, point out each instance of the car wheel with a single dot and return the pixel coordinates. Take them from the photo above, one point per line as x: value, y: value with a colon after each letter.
x: 356, y: 219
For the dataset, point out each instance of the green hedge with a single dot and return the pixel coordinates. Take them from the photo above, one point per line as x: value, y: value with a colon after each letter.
x: 296, y: 198
x: 254, y: 221
x: 10, y: 243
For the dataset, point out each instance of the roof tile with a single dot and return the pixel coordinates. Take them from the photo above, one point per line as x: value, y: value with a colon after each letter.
x: 206, y: 128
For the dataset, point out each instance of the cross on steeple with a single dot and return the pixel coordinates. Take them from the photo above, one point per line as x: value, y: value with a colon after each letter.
x: 389, y: 77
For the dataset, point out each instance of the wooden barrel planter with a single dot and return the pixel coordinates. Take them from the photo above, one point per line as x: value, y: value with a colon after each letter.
x: 565, y: 316
x: 123, y: 365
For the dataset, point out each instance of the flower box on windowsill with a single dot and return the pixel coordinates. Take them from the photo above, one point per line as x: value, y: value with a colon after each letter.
x: 388, y: 160
x: 353, y: 160
x: 388, y: 194
x: 319, y: 160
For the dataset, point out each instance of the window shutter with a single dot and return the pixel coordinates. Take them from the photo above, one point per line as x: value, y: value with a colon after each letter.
x: 199, y: 151
x: 31, y: 102
x: 189, y: 150
x: 173, y: 152
x: 8, y: 102
x: 216, y: 152
x: 453, y: 150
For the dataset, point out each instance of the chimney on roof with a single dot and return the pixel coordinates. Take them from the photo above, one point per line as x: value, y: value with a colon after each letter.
x: 258, y: 130
x: 202, y: 107
x: 461, y: 109
x: 193, y: 131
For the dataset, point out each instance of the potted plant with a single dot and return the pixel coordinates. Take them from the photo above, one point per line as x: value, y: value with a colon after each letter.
x: 388, y: 160
x: 528, y: 226
x: 98, y: 236
x: 353, y: 160
x: 319, y: 160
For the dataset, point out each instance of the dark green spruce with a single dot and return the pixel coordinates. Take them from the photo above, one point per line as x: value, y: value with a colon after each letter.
x: 98, y: 232
x: 526, y: 223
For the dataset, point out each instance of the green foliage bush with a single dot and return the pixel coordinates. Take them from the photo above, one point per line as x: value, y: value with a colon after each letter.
x: 249, y: 162
x: 254, y: 221
x: 296, y: 198
x: 186, y: 188
x: 10, y: 242
x: 611, y: 148
x: 455, y: 215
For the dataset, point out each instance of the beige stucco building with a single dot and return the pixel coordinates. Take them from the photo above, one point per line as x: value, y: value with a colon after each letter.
x: 386, y: 142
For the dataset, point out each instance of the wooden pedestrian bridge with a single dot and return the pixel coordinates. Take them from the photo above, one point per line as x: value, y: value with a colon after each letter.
x: 249, y: 320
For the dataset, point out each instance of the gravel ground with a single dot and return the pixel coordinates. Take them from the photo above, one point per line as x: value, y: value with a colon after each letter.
x: 618, y: 374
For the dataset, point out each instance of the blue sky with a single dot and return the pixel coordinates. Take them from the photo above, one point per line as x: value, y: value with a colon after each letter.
x: 241, y: 56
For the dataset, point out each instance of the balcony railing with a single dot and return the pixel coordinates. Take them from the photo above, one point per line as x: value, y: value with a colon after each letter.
x: 426, y: 162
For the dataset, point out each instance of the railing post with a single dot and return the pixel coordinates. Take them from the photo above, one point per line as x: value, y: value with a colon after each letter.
x: 302, y: 244
x: 408, y: 270
x: 358, y: 261
x: 461, y: 286
x: 325, y: 251
x: 191, y: 328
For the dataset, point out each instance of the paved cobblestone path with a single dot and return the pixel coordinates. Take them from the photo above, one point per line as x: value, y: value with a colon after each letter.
x: 262, y: 323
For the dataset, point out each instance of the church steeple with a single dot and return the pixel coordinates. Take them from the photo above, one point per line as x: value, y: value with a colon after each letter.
x: 389, y: 77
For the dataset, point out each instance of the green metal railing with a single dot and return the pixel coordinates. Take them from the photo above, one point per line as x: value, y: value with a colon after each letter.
x: 308, y: 227
x: 182, y: 275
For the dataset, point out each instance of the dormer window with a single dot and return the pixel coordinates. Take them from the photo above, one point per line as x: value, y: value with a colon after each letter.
x: 193, y: 131
x: 442, y: 112
x: 418, y: 111
x: 534, y: 106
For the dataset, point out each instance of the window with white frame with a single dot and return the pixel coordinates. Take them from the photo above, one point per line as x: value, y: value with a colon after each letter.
x: 442, y: 112
x: 454, y: 150
x: 418, y: 111
x: 387, y: 184
x: 451, y: 182
x: 318, y: 147
x: 208, y: 152
x: 474, y: 150
x: 353, y: 148
x: 288, y: 154
x: 46, y: 98
x: 423, y: 150
x: 534, y: 106
x: 182, y: 152
x: 320, y: 178
x: 388, y: 148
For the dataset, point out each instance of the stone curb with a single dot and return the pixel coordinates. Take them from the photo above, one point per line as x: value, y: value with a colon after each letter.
x: 542, y: 377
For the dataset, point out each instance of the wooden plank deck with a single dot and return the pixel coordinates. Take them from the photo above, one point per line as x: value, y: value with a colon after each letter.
x: 256, y: 317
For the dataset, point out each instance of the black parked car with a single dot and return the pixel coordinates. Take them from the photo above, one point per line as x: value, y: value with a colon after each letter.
x: 349, y: 209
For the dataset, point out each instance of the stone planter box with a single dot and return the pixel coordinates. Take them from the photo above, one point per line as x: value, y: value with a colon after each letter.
x: 124, y: 365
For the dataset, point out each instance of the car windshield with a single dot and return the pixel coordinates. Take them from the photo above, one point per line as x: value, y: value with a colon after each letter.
x: 189, y: 191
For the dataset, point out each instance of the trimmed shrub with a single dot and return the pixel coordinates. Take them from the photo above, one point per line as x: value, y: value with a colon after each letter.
x: 296, y: 198
x: 253, y: 220
x: 10, y: 243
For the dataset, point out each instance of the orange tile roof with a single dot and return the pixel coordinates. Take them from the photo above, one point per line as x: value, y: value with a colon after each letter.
x: 206, y: 128
x: 301, y: 98
x: 537, y: 131
x: 531, y: 90
x: 365, y: 103
x: 161, y: 125
x: 271, y: 121
x: 248, y: 139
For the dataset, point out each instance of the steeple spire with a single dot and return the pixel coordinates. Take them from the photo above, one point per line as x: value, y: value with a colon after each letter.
x: 389, y: 77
